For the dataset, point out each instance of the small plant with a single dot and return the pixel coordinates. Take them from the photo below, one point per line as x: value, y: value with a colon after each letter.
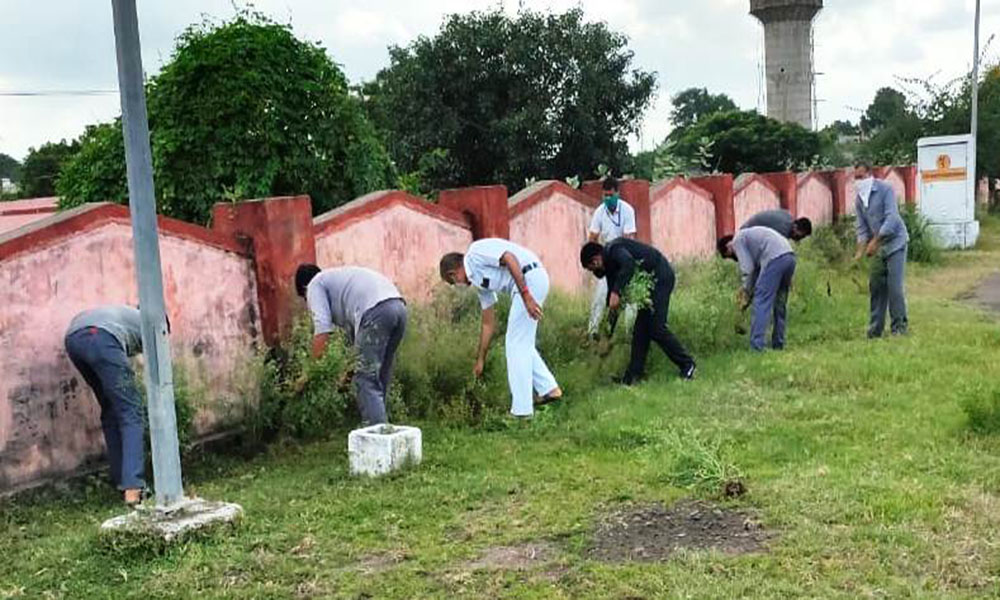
x: 982, y: 409
x: 923, y: 248
x: 697, y: 461
x: 639, y: 291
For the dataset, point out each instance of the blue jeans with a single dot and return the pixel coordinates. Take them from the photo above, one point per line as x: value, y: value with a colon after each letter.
x: 104, y: 365
x: 381, y: 331
x: 770, y: 297
x: 886, y: 287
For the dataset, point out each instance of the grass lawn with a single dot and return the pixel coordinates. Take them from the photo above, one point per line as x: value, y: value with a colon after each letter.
x: 856, y: 456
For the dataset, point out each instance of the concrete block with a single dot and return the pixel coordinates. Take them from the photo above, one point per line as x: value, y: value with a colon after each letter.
x: 171, y: 523
x: 381, y: 449
x: 955, y: 235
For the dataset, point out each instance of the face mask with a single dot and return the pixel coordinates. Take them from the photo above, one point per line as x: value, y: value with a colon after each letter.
x: 599, y: 273
x: 611, y: 202
x: 864, y: 187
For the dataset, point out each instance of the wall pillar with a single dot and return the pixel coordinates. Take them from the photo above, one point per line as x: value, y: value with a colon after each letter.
x: 721, y: 188
x: 484, y: 206
x: 279, y: 233
x: 909, y: 175
x: 837, y: 180
x: 787, y: 184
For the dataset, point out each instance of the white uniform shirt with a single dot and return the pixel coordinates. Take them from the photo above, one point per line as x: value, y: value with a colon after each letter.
x: 487, y: 274
x: 613, y: 226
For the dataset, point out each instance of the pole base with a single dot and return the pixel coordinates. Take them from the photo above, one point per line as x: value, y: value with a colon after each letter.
x: 154, y: 528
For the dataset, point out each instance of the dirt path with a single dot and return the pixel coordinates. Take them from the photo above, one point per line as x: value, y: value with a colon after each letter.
x: 987, y: 294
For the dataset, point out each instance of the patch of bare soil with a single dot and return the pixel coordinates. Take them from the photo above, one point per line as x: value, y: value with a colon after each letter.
x: 987, y: 293
x: 653, y: 532
x: 515, y: 558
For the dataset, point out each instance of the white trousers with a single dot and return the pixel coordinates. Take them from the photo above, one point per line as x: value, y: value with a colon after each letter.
x: 526, y: 371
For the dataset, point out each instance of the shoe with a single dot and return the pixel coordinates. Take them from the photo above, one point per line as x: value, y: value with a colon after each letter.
x: 626, y: 380
x: 688, y: 373
x: 556, y: 396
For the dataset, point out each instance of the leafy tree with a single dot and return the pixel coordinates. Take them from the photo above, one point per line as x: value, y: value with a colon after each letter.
x: 888, y: 106
x: 694, y: 104
x: 41, y: 168
x: 510, y: 98
x: 10, y: 168
x: 842, y: 128
x: 746, y: 141
x: 243, y: 109
x: 97, y: 172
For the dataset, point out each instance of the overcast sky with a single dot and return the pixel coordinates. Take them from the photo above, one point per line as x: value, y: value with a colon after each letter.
x: 861, y: 45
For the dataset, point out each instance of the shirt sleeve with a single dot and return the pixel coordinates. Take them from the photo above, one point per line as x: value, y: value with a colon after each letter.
x: 319, y: 306
x: 626, y: 266
x: 628, y: 221
x: 595, y: 221
x: 487, y: 298
x: 748, y: 268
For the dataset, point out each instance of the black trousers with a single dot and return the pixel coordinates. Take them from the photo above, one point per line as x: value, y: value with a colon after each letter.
x: 651, y: 326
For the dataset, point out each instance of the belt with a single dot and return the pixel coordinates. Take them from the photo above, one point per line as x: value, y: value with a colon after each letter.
x: 529, y: 267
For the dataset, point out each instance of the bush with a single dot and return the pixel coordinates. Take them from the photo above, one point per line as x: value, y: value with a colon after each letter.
x: 696, y: 461
x: 982, y: 408
x: 923, y: 248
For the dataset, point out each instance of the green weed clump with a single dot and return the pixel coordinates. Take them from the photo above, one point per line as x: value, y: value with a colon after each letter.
x: 696, y: 461
x: 923, y: 248
x: 982, y: 410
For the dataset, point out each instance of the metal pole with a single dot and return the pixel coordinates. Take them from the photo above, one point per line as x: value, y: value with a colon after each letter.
x: 975, y: 95
x: 142, y: 203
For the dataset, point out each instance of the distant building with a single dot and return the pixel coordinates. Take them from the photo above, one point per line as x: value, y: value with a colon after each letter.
x: 7, y: 186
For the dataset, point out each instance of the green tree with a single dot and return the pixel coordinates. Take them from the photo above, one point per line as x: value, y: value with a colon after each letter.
x: 888, y: 106
x: 500, y: 99
x: 243, y: 109
x: 694, y: 104
x: 97, y: 172
x: 748, y: 142
x: 10, y: 168
x: 42, y: 166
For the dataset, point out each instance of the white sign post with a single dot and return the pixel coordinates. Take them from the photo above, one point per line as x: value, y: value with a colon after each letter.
x: 946, y: 176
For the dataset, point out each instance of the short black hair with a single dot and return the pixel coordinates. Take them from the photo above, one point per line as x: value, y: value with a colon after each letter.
x: 450, y: 262
x: 610, y: 184
x: 303, y: 275
x: 723, y: 245
x: 588, y: 252
x: 863, y: 163
x: 804, y: 225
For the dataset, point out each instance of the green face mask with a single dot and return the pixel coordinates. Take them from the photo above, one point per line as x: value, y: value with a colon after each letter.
x: 611, y: 202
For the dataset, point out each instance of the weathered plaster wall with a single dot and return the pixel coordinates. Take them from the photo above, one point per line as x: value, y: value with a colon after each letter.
x: 683, y: 220
x: 894, y: 179
x: 48, y: 417
x: 403, y: 244
x: 815, y: 200
x: 753, y: 198
x: 554, y: 226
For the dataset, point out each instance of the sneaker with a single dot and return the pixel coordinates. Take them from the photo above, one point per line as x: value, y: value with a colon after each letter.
x: 688, y: 373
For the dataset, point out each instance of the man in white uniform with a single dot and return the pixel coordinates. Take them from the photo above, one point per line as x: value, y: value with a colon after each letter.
x: 494, y: 265
x: 613, y: 219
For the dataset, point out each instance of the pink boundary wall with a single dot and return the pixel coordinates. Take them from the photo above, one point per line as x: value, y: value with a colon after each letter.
x: 683, y: 220
x: 552, y: 219
x: 56, y: 267
x: 18, y: 213
x: 753, y: 194
x: 814, y: 199
x: 394, y: 233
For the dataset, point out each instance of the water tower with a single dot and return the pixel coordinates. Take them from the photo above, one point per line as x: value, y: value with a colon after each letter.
x: 788, y: 57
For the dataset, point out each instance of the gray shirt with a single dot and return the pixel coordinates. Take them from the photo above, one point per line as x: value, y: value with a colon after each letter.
x: 341, y: 296
x: 881, y: 219
x: 755, y: 248
x: 778, y: 220
x: 119, y: 320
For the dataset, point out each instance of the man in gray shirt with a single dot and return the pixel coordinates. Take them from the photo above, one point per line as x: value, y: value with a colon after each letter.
x: 767, y: 265
x: 781, y: 221
x: 882, y: 235
x: 371, y: 311
x: 99, y: 342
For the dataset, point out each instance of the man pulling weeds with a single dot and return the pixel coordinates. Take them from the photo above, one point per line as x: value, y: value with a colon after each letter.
x: 620, y: 261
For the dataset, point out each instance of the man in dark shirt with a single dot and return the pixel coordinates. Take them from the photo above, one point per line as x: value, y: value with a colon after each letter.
x: 618, y: 262
x: 782, y: 222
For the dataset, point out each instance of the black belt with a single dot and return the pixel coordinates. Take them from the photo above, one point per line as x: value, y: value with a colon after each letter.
x: 526, y: 268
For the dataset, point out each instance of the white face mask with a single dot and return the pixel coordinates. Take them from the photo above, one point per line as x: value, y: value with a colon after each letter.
x: 864, y: 188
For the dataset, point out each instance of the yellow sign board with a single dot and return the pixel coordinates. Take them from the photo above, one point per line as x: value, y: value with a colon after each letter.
x: 944, y: 172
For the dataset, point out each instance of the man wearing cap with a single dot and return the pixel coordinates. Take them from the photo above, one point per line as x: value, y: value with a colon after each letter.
x: 493, y: 266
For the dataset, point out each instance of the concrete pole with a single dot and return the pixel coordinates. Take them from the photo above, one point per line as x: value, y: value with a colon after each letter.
x: 975, y: 96
x: 142, y: 203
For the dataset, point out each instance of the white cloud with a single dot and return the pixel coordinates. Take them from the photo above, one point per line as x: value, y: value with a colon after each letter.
x: 860, y: 46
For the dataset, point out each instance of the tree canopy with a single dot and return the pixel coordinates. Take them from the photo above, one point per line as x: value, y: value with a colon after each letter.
x: 42, y: 166
x: 748, y: 142
x: 499, y: 99
x: 243, y: 109
x: 10, y: 167
x: 695, y: 104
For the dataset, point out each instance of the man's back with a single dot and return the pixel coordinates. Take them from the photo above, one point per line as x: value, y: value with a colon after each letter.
x: 779, y: 220
x: 119, y: 320
x: 645, y: 256
x: 340, y: 296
